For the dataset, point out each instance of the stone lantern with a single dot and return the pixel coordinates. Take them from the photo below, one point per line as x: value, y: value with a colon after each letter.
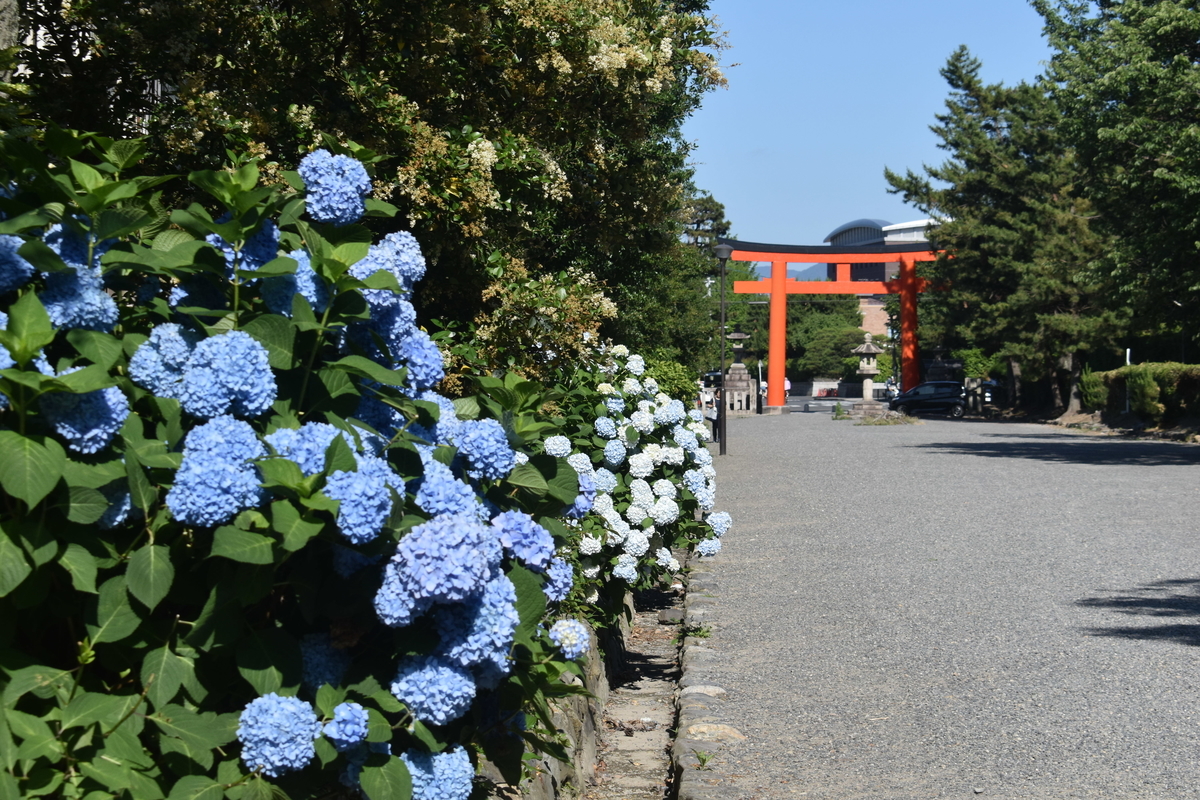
x: 868, y: 353
x: 738, y: 388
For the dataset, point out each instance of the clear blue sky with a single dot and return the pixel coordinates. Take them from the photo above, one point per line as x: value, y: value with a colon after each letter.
x: 826, y: 93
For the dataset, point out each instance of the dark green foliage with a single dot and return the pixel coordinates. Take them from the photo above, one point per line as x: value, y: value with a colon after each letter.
x: 674, y: 379
x: 1093, y: 389
x: 826, y: 353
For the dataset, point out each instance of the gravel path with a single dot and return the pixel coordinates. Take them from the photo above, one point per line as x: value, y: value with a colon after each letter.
x: 956, y: 609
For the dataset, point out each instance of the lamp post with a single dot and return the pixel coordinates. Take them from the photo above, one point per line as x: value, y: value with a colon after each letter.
x: 723, y: 252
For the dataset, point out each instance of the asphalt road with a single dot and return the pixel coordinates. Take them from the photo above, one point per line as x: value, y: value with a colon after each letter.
x: 957, y: 609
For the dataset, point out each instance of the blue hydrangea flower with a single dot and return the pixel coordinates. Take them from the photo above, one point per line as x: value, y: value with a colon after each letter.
x: 485, y: 446
x: 440, y: 776
x: 636, y: 365
x: 15, y: 271
x: 480, y: 631
x: 119, y: 505
x: 365, y: 499
x: 228, y: 374
x: 305, y: 445
x: 606, y: 428
x: 606, y: 481
x: 560, y: 578
x: 197, y: 292
x: 393, y: 319
x: 447, y: 559
x: 435, y: 689
x: 159, y: 362
x: 87, y: 421
x: 720, y: 522
x: 580, y: 463
x: 396, y: 602
x: 279, y: 290
x: 571, y: 636
x: 615, y: 404
x: 706, y: 498
x: 321, y: 662
x: 76, y: 299
x: 524, y: 539
x: 277, y: 734
x: 626, y: 568
x: 424, y: 360
x: 685, y: 438
x: 709, y: 547
x: 614, y: 453
x: 217, y: 480
x: 259, y: 248
x: 399, y: 254
x: 696, y: 415
x: 439, y: 492
x: 585, y: 498
x: 670, y: 414
x: 335, y: 187
x: 348, y: 726
x: 445, y: 430
x: 558, y: 446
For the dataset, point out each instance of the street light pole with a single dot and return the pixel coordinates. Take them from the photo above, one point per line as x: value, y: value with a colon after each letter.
x: 723, y: 251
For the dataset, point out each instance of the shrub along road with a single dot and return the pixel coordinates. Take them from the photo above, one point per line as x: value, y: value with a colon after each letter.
x: 955, y: 609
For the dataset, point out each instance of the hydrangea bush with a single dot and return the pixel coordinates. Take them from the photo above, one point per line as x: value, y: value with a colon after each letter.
x: 247, y: 549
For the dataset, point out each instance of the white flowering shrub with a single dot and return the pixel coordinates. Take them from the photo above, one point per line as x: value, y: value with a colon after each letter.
x: 246, y: 550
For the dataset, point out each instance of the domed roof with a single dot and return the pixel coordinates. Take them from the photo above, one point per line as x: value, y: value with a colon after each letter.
x: 876, y: 224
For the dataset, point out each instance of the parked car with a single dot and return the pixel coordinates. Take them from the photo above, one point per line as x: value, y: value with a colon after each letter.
x: 943, y: 397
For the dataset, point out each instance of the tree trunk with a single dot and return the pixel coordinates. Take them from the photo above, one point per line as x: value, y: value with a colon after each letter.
x: 1074, y: 396
x: 1053, y: 374
x: 1014, y: 382
x: 10, y: 31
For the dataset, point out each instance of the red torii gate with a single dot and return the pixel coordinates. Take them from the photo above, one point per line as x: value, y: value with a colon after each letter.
x: 779, y: 286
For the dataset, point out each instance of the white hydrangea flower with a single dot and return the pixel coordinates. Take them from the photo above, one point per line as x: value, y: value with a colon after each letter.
x: 674, y: 456
x: 663, y: 557
x: 619, y: 350
x: 602, y: 504
x: 665, y: 488
x: 636, y: 364
x: 641, y: 492
x: 636, y: 544
x: 626, y: 568
x: 593, y: 596
x: 591, y: 571
x: 579, y: 462
x: 673, y: 567
x: 617, y: 531
x: 606, y: 388
x: 701, y: 430
x: 590, y: 545
x: 709, y: 471
x: 661, y: 398
x: 664, y: 511
x: 521, y: 458
x: 641, y: 465
x: 650, y: 385
x: 631, y: 386
x: 645, y: 405
x: 643, y: 421
x: 654, y: 451
x: 635, y: 514
x: 558, y: 446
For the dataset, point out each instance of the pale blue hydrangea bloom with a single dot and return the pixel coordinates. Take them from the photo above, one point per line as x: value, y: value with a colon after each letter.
x: 447, y: 559
x: 435, y: 689
x: 278, y: 291
x: 348, y: 726
x: 614, y: 453
x: 641, y: 493
x: 445, y: 430
x: 335, y: 187
x: 720, y: 522
x: 78, y: 300
x: 120, y: 504
x: 420, y: 354
x: 606, y: 428
x: 696, y: 415
x: 259, y: 248
x: 480, y: 631
x: 484, y: 444
x: 665, y: 488
x: 701, y: 456
x: 637, y: 543
x: 663, y: 557
x: 15, y: 271
x: 399, y: 254
x: 642, y: 421
x: 393, y: 319
x: 615, y: 404
x: 585, y: 498
x: 558, y: 446
x: 305, y: 445
x: 159, y: 362
x: 228, y: 374
x: 606, y: 481
x: 636, y: 365
x: 684, y: 438
x: 217, y: 480
x: 560, y: 579
x: 571, y: 636
x: 626, y: 568
x: 277, y: 734
x: 709, y: 547
x: 321, y: 662
x: 439, y: 492
x: 670, y: 414
x: 365, y: 498
x: 396, y: 602
x: 641, y: 465
x: 524, y: 539
x: 706, y: 498
x: 440, y: 776
x: 664, y: 511
x: 87, y: 421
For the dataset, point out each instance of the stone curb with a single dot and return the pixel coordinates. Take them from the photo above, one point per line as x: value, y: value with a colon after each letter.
x: 700, y: 731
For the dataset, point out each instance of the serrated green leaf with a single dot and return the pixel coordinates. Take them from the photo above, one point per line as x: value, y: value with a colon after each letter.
x: 281, y: 472
x: 76, y: 560
x: 31, y: 466
x: 95, y: 475
x: 37, y: 740
x: 117, y: 222
x: 328, y: 698
x: 150, y: 574
x: 389, y: 781
x: 171, y: 238
x: 86, y: 505
x: 269, y: 660
x: 387, y: 701
x: 278, y: 335
x: 162, y: 674
x: 366, y: 368
x: 427, y: 737
x: 42, y: 782
x: 14, y: 568
x: 243, y: 546
x: 531, y: 600
x: 88, y: 707
x: 141, y: 492
x: 44, y: 682
x: 110, y: 616
x: 528, y: 477
x: 196, y: 787
x: 467, y: 407
x: 114, y: 777
x: 287, y: 520
x: 102, y: 349
x: 204, y: 730
x: 88, y: 379
x: 339, y: 456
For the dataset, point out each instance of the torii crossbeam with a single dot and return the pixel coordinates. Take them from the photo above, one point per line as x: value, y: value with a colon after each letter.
x: 779, y: 286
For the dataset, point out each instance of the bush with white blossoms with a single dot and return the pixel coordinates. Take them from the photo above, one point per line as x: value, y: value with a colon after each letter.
x: 244, y: 540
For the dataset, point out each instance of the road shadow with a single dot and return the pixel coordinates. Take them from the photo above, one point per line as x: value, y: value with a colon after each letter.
x: 1177, y: 600
x: 1073, y: 449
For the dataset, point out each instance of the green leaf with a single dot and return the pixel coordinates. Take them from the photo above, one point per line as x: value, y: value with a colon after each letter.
x: 432, y: 742
x: 14, y: 568
x: 287, y: 520
x: 44, y: 682
x: 561, y: 478
x: 29, y: 328
x: 196, y: 787
x: 38, y: 741
x: 100, y: 348
x: 82, y: 566
x: 117, y: 222
x: 203, y: 730
x: 150, y: 574
x: 31, y: 466
x: 276, y: 267
x: 329, y: 698
x: 390, y: 781
x: 8, y: 787
x: 366, y: 368
x: 467, y: 407
x: 278, y: 335
x: 528, y: 477
x: 531, y: 600
x: 387, y: 701
x: 87, y: 176
x: 243, y: 546
x: 378, y: 728
x: 269, y: 660
x: 162, y: 674
x: 169, y: 239
x: 114, y: 777
x: 96, y: 475
x: 86, y: 505
x: 281, y: 472
x: 141, y: 492
x: 339, y: 456
x: 353, y: 252
x: 88, y: 379
x: 88, y: 707
x: 110, y: 616
x: 42, y: 781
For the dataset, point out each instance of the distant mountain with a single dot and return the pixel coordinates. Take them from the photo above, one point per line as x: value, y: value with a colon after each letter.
x: 813, y: 272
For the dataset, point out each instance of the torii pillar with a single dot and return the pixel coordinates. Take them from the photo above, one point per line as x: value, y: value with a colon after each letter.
x: 779, y: 286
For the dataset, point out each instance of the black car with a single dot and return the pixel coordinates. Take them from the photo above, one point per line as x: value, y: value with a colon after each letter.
x: 945, y: 397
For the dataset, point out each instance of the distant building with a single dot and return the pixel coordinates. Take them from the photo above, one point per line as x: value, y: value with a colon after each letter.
x: 862, y: 232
